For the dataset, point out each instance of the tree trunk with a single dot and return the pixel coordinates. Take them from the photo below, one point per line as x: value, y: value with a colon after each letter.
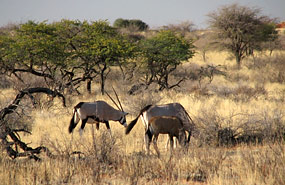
x: 103, y: 79
x: 238, y: 60
x: 88, y: 86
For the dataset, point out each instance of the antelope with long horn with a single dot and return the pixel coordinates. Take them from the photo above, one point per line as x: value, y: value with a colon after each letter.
x: 96, y: 112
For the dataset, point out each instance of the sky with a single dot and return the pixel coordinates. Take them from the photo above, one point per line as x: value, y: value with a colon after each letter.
x: 155, y: 13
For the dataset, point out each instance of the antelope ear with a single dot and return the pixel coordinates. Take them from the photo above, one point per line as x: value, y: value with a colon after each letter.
x: 125, y: 113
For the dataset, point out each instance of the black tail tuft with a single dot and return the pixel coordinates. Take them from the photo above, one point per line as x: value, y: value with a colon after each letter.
x: 72, y: 125
x: 132, y: 124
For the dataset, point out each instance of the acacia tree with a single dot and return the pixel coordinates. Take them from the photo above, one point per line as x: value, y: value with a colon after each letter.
x: 64, y: 53
x: 161, y: 55
x: 241, y: 29
x: 33, y: 48
x: 97, y: 47
x: 204, y: 44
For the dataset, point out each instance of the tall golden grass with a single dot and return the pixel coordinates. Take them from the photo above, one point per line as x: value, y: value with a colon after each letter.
x: 241, y: 101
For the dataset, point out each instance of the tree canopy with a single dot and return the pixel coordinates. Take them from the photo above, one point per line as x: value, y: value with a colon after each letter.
x: 65, y: 53
x: 162, y: 54
x: 130, y: 23
x: 241, y: 29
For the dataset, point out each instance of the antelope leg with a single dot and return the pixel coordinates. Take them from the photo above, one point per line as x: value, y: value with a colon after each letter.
x: 108, y: 127
x: 97, y: 126
x: 147, y: 138
x: 155, y: 145
x: 82, y: 126
x: 171, y: 144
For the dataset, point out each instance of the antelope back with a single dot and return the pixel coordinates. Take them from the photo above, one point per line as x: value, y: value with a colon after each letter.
x: 165, y: 125
x: 101, y: 110
x: 171, y: 109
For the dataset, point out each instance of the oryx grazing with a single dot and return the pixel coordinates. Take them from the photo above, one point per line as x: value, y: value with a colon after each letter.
x: 171, y: 109
x: 95, y: 112
x: 170, y: 125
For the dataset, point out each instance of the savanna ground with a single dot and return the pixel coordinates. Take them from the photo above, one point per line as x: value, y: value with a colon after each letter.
x: 239, y: 136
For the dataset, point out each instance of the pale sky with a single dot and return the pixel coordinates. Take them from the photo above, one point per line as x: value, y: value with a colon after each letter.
x: 155, y: 13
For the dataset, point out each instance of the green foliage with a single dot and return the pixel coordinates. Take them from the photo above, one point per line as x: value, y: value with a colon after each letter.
x: 99, y: 46
x: 5, y: 46
x: 121, y: 23
x: 66, y: 52
x: 133, y: 23
x: 100, y: 43
x: 37, y: 43
x: 162, y: 54
x: 32, y: 48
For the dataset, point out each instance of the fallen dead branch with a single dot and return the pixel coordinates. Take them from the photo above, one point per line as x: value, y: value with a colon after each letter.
x: 6, y: 132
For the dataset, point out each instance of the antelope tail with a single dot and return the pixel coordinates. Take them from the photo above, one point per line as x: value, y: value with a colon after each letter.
x: 132, y: 124
x: 72, y: 124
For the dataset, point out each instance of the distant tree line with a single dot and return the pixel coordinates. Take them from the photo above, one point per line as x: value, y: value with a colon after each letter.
x: 137, y: 24
x: 68, y: 53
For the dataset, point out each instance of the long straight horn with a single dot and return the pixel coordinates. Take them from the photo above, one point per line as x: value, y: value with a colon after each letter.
x: 118, y: 99
x: 113, y: 100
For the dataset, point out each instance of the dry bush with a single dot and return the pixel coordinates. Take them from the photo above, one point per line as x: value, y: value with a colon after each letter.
x: 4, y: 82
x: 197, y: 166
x: 86, y: 160
x: 240, y: 92
x: 264, y: 166
x: 219, y: 130
x: 262, y: 127
x: 22, y: 118
x: 211, y: 129
x: 268, y: 69
x: 239, y: 139
x: 147, y: 97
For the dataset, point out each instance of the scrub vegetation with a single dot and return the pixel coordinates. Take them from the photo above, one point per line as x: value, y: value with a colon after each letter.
x: 46, y: 69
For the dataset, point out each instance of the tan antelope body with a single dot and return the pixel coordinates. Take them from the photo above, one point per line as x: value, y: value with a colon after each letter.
x: 95, y: 112
x: 171, y: 109
x: 170, y: 125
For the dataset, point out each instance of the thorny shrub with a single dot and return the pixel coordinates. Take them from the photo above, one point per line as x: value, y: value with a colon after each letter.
x: 218, y: 130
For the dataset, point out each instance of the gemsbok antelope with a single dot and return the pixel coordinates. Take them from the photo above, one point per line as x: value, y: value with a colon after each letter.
x: 171, y: 109
x: 95, y: 112
x: 170, y: 125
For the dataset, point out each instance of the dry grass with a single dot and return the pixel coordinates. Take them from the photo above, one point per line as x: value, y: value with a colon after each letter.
x: 240, y: 128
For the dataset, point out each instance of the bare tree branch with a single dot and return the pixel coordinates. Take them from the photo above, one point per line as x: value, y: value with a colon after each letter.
x: 5, y: 130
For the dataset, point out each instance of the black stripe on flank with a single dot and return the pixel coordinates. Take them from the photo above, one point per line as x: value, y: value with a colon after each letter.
x: 95, y: 118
